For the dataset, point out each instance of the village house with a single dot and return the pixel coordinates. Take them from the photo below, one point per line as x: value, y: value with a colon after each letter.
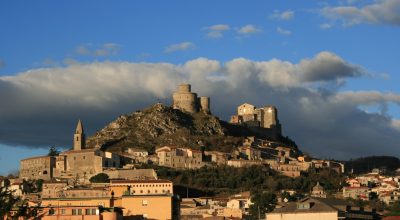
x: 356, y: 192
x: 308, y: 208
x: 181, y: 158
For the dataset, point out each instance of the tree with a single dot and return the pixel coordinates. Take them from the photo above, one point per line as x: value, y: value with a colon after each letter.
x: 8, y: 203
x: 53, y: 151
x: 100, y: 178
x: 263, y: 202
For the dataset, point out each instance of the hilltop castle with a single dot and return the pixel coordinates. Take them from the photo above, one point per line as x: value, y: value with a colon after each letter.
x: 264, y: 117
x: 184, y: 99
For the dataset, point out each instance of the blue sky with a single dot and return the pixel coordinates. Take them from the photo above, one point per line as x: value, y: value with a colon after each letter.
x: 55, y: 36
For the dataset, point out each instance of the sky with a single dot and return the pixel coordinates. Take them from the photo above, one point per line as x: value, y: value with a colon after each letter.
x: 330, y: 67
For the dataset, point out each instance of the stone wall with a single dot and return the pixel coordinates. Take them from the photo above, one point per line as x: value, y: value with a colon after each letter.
x: 184, y: 99
x: 37, y: 168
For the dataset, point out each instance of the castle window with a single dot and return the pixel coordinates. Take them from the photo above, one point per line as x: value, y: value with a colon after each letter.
x: 45, y: 172
x: 77, y: 139
x: 84, y: 157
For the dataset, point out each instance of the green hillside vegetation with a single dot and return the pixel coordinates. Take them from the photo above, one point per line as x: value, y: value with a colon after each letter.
x: 228, y: 180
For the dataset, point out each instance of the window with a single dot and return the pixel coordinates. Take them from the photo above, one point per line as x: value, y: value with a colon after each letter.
x: 94, y: 212
x: 87, y: 212
x: 144, y: 202
x: 62, y: 211
x: 79, y: 211
x: 74, y: 212
x: 84, y: 157
x: 52, y: 211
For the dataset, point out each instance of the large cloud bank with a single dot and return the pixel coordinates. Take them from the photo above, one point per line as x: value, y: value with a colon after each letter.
x: 40, y: 107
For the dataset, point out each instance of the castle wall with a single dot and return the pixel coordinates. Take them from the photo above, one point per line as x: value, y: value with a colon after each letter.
x: 184, y: 88
x: 270, y: 117
x: 37, y: 168
x: 205, y: 104
x: 186, y: 101
x: 245, y: 109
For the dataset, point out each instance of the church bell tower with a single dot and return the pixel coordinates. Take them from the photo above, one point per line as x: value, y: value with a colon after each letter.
x: 79, y: 137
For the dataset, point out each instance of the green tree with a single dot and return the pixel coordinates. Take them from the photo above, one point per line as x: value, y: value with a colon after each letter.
x: 9, y: 202
x: 100, y: 178
x: 53, y: 151
x: 263, y: 202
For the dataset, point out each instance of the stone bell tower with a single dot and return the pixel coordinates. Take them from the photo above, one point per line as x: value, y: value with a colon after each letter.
x: 79, y: 137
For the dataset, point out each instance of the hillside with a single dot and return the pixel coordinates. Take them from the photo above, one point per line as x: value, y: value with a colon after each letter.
x: 366, y: 164
x: 162, y: 125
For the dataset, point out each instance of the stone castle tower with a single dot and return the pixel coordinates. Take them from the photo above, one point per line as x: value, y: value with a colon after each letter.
x: 264, y: 117
x: 79, y: 137
x: 184, y: 99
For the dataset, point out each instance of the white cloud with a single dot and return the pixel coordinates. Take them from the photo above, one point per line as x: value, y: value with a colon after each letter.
x: 285, y: 15
x: 367, y: 97
x: 379, y: 12
x: 396, y: 124
x: 179, y: 47
x: 44, y: 104
x: 283, y: 31
x: 98, y: 51
x: 325, y: 26
x: 217, y: 31
x: 248, y: 29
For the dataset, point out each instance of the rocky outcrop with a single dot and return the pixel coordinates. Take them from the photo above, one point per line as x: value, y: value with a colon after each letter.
x: 157, y: 125
x: 161, y: 125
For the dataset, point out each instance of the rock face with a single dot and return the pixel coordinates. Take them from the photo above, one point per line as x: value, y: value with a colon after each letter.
x: 158, y: 125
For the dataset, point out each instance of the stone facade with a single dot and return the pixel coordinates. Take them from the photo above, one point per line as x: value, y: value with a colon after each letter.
x: 184, y: 99
x: 131, y: 174
x: 37, y: 168
x: 318, y: 191
x: 244, y: 163
x: 141, y: 187
x: 53, y: 189
x: 182, y: 158
x: 80, y: 162
x: 264, y: 117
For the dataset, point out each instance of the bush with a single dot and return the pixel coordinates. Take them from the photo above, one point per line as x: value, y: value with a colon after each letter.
x: 100, y: 178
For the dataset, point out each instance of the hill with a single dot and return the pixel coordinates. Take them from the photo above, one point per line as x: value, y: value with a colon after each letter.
x: 161, y: 125
x: 366, y: 164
